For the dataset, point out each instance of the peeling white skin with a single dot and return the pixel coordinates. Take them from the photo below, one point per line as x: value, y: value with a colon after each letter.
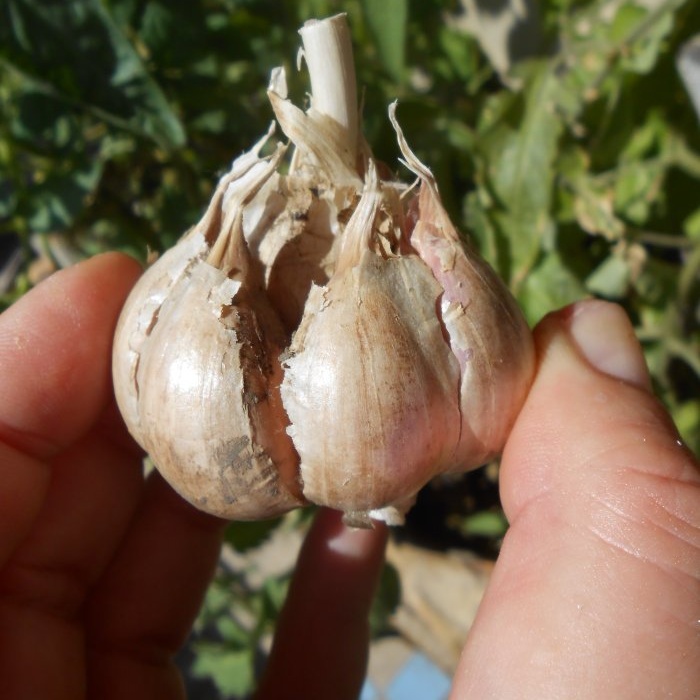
x: 297, y: 247
x: 139, y: 316
x: 489, y: 338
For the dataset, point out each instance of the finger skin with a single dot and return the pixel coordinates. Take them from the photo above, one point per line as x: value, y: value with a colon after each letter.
x: 99, y: 568
x: 45, y: 582
x: 322, y: 638
x: 54, y: 378
x: 596, y: 593
x: 63, y: 501
x: 55, y: 344
x: 140, y: 613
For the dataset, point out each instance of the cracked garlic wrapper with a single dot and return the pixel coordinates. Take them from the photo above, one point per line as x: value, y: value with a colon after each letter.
x: 323, y: 335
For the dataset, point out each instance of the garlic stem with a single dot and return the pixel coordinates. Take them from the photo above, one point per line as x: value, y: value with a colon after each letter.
x: 328, y: 55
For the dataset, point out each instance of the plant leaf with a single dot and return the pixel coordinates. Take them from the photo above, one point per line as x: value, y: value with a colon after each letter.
x: 387, y: 22
x: 610, y: 279
x: 243, y: 536
x: 230, y: 670
x: 74, y: 51
x: 550, y: 285
x: 55, y: 202
x: 517, y: 154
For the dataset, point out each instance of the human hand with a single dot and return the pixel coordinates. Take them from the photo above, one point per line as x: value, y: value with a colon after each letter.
x: 102, y: 571
x: 596, y: 592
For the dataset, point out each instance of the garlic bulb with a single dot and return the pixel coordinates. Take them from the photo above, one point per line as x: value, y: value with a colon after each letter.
x: 323, y: 335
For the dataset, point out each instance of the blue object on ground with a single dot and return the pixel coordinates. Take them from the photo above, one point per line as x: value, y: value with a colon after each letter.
x: 417, y: 679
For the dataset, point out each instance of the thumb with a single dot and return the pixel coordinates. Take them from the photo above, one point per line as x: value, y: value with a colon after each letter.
x: 597, y: 589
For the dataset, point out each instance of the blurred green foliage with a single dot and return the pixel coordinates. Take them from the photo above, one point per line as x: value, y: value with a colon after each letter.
x: 575, y: 166
x: 231, y: 624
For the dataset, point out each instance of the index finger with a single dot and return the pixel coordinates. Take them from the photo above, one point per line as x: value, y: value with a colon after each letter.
x: 51, y: 393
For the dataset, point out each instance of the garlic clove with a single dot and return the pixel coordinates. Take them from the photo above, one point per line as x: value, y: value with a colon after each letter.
x: 370, y: 385
x: 486, y: 330
x: 487, y: 333
x: 195, y: 364
x: 212, y: 406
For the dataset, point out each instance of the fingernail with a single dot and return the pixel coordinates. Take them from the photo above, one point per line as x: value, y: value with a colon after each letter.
x: 605, y: 337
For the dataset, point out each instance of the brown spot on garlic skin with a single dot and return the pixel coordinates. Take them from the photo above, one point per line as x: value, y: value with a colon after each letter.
x: 241, y: 471
x: 235, y: 454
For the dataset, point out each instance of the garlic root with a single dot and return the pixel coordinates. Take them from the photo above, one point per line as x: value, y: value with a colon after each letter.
x: 323, y: 335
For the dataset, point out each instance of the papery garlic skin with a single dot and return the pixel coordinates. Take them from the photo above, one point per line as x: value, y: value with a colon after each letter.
x: 370, y: 389
x: 485, y: 327
x: 196, y: 369
x: 487, y: 335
